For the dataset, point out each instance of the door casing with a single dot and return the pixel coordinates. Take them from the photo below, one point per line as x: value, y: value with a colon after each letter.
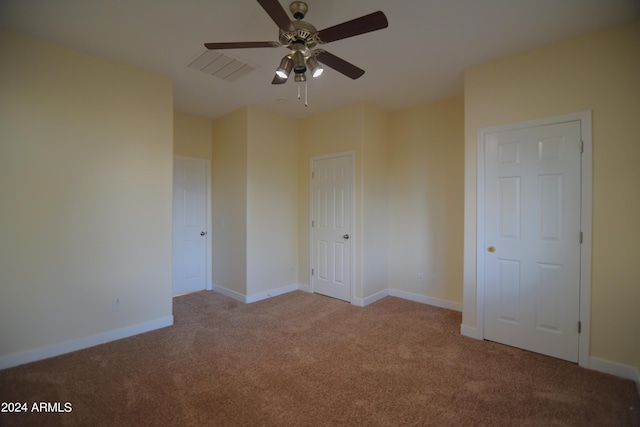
x: 208, y: 237
x: 586, y: 180
x: 353, y: 234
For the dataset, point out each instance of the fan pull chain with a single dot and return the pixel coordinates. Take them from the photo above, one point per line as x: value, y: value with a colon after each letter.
x: 306, y: 93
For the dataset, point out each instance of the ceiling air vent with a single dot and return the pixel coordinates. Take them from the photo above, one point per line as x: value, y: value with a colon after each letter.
x: 221, y: 65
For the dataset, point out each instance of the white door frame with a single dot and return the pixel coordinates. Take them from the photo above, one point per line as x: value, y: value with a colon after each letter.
x: 586, y: 180
x: 353, y: 235
x: 209, y: 236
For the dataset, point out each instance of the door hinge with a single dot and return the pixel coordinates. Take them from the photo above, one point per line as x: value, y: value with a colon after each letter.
x: 313, y: 175
x: 312, y: 271
x: 581, y: 237
x: 581, y: 146
x: 579, y: 327
x: 313, y: 223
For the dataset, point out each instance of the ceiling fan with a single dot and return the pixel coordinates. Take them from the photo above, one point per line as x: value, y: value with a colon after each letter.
x: 300, y: 38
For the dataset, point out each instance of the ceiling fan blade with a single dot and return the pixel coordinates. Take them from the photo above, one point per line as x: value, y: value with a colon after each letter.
x: 339, y: 64
x: 277, y: 14
x: 240, y: 45
x: 277, y: 80
x: 365, y: 24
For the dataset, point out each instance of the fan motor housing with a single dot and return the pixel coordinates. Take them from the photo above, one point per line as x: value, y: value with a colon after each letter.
x: 304, y: 32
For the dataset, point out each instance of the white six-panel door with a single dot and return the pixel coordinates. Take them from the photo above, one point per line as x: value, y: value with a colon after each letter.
x: 190, y: 222
x: 532, y: 238
x: 331, y: 216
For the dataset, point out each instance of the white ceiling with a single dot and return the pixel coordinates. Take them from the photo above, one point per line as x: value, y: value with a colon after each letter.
x: 419, y: 58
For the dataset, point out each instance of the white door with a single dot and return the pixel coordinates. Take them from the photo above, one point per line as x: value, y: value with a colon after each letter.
x: 331, y: 216
x: 532, y: 237
x: 190, y: 188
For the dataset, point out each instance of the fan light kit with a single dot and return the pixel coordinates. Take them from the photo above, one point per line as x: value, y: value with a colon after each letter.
x: 300, y: 38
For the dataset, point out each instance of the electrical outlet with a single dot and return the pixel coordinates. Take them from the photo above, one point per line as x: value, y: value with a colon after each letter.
x: 117, y: 305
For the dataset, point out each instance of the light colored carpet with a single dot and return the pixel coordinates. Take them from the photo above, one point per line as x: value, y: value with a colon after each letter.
x: 306, y: 360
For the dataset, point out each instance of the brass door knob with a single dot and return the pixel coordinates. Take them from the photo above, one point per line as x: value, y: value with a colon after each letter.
x: 491, y: 249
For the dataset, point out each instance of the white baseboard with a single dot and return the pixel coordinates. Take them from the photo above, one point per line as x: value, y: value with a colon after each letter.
x: 375, y: 297
x: 617, y: 369
x: 426, y: 300
x: 594, y: 363
x: 272, y: 293
x: 471, y: 332
x: 248, y: 299
x: 229, y: 293
x: 41, y: 353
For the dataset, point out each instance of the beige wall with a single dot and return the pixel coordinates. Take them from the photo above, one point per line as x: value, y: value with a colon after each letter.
x: 402, y: 160
x: 425, y: 142
x: 426, y: 188
x: 85, y: 184
x: 255, y: 201
x: 272, y: 201
x: 229, y: 194
x: 598, y: 72
x: 191, y: 136
x: 331, y: 132
x: 375, y: 201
